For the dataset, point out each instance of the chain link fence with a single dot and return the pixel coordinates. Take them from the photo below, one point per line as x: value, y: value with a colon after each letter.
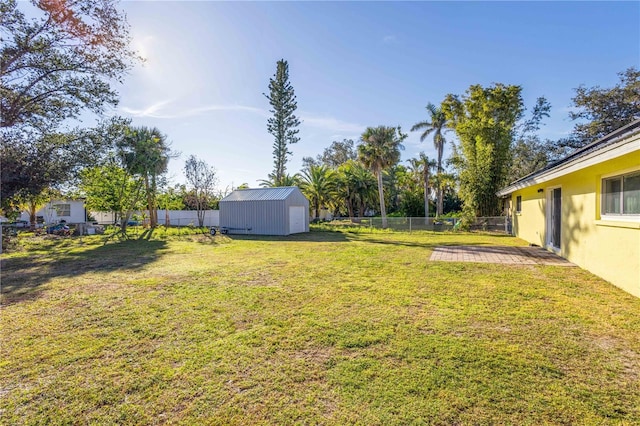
x: 409, y: 224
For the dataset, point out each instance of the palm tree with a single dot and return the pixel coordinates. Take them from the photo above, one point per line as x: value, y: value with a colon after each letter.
x: 286, y: 180
x: 318, y: 184
x: 379, y: 150
x: 146, y: 153
x: 436, y: 123
x: 422, y: 166
x: 356, y: 186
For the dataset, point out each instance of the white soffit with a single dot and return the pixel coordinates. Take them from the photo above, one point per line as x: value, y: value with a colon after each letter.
x: 607, y: 153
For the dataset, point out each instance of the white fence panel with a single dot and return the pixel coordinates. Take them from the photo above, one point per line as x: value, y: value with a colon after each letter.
x: 176, y: 217
x: 189, y: 217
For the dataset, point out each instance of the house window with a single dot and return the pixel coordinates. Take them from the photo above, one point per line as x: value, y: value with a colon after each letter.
x: 518, y: 203
x: 621, y: 194
x: 62, y: 209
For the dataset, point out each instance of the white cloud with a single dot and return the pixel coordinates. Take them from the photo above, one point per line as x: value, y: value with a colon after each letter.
x: 150, y: 111
x: 207, y: 108
x: 389, y: 39
x: 331, y: 124
x: 158, y: 110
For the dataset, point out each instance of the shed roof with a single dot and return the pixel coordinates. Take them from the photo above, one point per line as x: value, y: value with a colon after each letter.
x: 261, y: 194
x: 580, y: 155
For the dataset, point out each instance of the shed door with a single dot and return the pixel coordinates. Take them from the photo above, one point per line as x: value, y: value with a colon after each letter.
x: 296, y: 219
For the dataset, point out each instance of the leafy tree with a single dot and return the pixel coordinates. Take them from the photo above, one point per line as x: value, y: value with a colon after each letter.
x: 411, y: 204
x: 436, y: 124
x: 283, y: 125
x: 484, y: 120
x: 339, y: 153
x: 452, y: 203
x: 318, y: 185
x: 111, y: 188
x: 33, y: 162
x: 308, y: 162
x: 422, y: 167
x: 410, y: 192
x: 33, y: 203
x: 202, y: 179
x: 379, y: 150
x: 52, y: 68
x: 529, y: 153
x: 333, y: 156
x: 604, y: 110
x: 171, y: 198
x: 29, y: 168
x: 56, y: 65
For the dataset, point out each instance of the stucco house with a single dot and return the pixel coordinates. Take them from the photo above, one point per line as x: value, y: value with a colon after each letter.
x: 586, y: 207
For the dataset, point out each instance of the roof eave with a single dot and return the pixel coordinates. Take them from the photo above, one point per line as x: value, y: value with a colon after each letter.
x: 627, y: 145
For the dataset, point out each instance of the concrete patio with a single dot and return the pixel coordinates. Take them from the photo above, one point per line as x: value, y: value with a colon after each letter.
x: 498, y: 254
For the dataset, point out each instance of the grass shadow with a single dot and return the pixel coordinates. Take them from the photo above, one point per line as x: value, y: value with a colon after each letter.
x: 307, y: 237
x: 439, y: 239
x: 23, y: 277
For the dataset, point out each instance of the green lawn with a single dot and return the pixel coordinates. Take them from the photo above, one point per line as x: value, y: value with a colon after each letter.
x: 323, y: 328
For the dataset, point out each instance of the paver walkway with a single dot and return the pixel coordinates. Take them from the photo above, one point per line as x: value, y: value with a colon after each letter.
x: 498, y: 254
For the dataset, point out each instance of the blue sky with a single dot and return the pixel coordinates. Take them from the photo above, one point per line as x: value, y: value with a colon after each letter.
x: 353, y: 65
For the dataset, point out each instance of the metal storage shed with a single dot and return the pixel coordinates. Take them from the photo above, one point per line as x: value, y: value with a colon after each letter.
x: 265, y: 211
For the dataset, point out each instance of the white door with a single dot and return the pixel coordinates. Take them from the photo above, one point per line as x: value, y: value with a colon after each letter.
x: 297, y: 219
x: 554, y: 218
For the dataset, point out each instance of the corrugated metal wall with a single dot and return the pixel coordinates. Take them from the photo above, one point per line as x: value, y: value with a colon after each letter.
x: 264, y: 217
x: 254, y: 217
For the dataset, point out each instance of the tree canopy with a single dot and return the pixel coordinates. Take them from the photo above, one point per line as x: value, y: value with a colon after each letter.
x: 145, y: 152
x: 421, y: 166
x: 484, y: 120
x: 380, y: 149
x: 56, y: 65
x: 601, y: 111
x: 202, y: 179
x: 52, y: 68
x: 33, y: 162
x: 437, y: 124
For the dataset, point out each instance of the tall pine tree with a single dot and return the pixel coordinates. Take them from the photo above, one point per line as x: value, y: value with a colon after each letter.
x: 283, y: 125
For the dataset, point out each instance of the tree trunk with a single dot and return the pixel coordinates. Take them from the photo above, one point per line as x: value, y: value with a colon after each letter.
x: 439, y: 189
x: 383, y: 210
x: 32, y: 216
x: 426, y: 197
x: 201, y: 204
x: 147, y: 188
x: 127, y: 215
x: 153, y: 213
x: 350, y: 208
